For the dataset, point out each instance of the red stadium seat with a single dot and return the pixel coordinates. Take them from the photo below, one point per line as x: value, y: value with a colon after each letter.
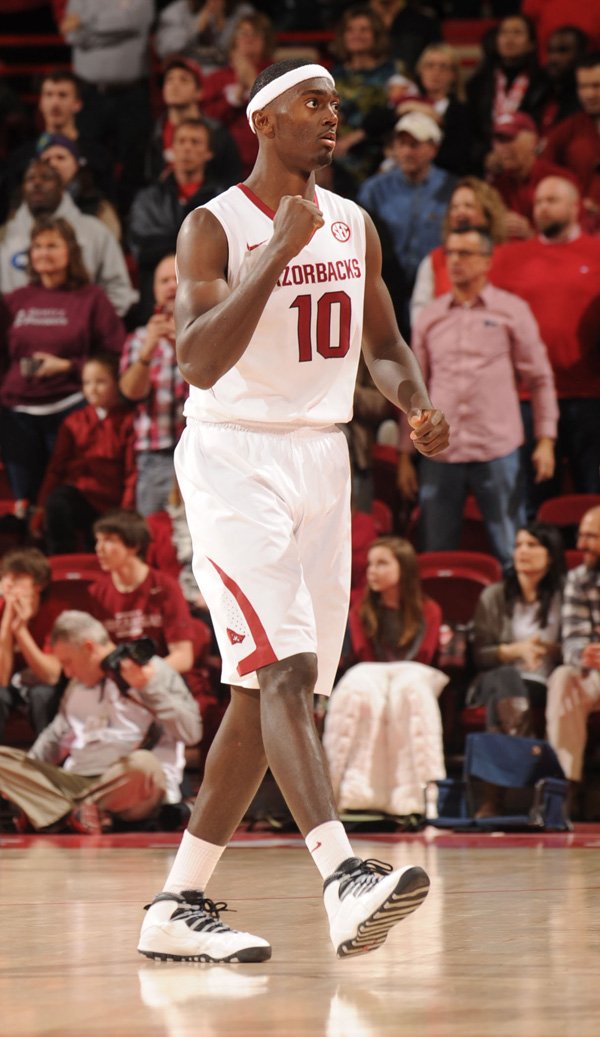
x: 455, y: 580
x: 566, y: 512
x: 383, y: 518
x: 71, y: 577
x: 71, y: 592
x: 573, y: 558
x: 478, y: 562
x: 75, y: 566
x: 568, y: 509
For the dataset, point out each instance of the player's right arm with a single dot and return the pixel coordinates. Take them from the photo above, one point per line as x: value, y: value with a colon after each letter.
x: 214, y: 323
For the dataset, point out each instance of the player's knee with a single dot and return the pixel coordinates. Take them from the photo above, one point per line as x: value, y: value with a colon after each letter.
x: 294, y: 675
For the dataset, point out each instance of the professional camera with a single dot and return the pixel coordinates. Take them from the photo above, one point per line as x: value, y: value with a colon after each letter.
x: 139, y: 651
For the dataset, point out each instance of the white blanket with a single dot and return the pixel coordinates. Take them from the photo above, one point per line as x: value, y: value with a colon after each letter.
x: 383, y: 736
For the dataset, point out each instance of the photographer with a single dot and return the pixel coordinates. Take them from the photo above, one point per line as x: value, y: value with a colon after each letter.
x: 115, y: 749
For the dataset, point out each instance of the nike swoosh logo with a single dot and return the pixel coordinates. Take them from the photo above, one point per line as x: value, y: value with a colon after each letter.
x: 250, y: 248
x: 316, y: 847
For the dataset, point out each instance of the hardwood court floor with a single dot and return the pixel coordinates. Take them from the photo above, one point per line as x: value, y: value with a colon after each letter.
x: 507, y: 944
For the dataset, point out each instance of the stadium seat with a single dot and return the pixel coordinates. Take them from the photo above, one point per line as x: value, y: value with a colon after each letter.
x: 75, y: 566
x: 568, y: 509
x: 383, y: 518
x: 71, y: 577
x: 71, y: 592
x: 566, y: 512
x: 455, y: 580
x: 573, y: 557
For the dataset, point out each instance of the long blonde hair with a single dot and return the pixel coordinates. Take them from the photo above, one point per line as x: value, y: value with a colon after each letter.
x: 494, y: 209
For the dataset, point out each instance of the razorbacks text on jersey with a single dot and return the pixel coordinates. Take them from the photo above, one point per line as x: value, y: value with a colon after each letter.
x: 300, y: 365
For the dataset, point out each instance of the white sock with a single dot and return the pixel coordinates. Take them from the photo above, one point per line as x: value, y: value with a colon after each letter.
x: 194, y: 864
x: 328, y: 846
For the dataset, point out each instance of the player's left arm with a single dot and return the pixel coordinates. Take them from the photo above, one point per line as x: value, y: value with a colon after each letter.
x: 391, y: 362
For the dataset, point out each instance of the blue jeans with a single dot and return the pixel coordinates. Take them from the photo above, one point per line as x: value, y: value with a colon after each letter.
x: 498, y: 489
x: 155, y: 479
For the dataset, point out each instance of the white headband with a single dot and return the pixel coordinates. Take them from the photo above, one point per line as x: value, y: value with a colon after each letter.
x: 278, y: 86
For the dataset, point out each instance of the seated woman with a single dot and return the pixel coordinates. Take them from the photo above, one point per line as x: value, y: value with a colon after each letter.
x: 517, y: 633
x: 383, y: 729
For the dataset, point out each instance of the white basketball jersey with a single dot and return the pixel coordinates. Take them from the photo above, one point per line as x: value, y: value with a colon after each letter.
x: 300, y: 365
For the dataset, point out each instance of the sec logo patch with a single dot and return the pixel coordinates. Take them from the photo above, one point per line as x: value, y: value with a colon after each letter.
x: 340, y: 231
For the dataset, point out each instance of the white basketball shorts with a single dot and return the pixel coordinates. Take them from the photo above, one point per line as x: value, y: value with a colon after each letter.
x: 269, y: 513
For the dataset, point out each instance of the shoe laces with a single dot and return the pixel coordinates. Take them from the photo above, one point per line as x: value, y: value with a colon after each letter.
x: 364, y: 876
x: 200, y: 912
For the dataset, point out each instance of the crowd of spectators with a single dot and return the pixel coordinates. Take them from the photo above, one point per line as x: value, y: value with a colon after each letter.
x: 484, y: 186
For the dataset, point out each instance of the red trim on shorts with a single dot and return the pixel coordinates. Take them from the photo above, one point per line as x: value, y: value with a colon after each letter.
x: 263, y: 654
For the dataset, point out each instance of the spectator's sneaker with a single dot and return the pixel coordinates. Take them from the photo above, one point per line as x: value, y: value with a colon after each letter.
x: 192, y: 931
x: 88, y: 819
x: 364, y: 899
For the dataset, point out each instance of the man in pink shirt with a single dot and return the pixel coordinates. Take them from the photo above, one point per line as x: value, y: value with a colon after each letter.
x: 473, y: 343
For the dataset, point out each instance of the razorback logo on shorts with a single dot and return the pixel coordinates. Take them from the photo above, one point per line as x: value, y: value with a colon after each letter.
x: 234, y: 637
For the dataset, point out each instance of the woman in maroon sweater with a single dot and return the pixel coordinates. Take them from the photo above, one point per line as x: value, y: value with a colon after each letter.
x: 48, y: 329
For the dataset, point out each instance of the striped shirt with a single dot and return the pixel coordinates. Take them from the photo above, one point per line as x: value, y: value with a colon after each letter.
x: 580, y: 612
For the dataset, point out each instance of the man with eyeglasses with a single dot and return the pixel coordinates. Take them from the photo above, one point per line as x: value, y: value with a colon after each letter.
x: 574, y: 689
x: 473, y: 344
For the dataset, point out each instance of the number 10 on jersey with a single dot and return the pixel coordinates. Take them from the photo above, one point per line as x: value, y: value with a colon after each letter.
x: 333, y: 316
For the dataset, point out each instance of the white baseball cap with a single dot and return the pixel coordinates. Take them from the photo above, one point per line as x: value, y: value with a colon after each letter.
x: 420, y: 126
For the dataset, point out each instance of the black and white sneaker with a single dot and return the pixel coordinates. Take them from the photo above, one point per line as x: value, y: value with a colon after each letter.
x: 364, y: 899
x: 193, y: 931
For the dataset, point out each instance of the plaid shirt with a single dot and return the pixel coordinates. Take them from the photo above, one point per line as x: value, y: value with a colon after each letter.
x: 159, y: 418
x: 580, y: 612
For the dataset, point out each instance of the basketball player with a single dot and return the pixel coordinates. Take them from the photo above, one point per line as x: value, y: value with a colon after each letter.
x: 279, y: 284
